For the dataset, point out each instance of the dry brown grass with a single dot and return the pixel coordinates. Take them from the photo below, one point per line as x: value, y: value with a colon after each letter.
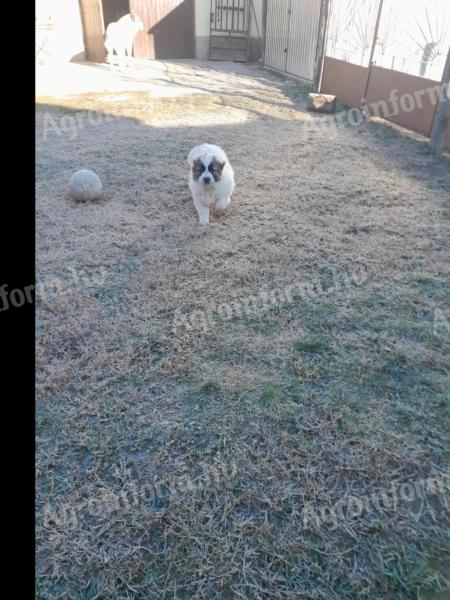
x: 342, y: 394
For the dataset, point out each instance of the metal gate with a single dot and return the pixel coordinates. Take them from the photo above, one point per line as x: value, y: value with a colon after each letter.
x: 44, y: 30
x: 292, y: 33
x: 229, y: 30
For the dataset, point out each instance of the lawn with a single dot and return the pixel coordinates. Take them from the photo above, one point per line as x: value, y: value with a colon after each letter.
x: 254, y: 409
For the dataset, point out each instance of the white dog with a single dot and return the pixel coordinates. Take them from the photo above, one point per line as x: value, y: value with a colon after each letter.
x: 211, y: 180
x: 120, y: 36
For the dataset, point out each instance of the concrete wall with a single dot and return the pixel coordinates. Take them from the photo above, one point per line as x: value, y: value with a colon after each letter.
x: 63, y: 39
x: 345, y: 80
x: 256, y: 44
x: 416, y: 101
x: 202, y: 26
x: 202, y: 17
x: 416, y: 108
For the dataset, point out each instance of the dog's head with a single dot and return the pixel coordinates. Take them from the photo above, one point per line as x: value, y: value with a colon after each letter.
x: 207, y: 170
x: 138, y: 24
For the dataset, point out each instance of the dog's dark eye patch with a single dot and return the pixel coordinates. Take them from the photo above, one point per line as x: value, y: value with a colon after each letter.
x: 215, y: 168
x: 197, y: 168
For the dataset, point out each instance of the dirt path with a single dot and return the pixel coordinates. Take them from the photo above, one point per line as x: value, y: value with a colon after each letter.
x: 157, y: 78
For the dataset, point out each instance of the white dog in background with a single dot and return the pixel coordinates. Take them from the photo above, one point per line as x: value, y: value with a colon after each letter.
x: 211, y: 180
x: 120, y: 35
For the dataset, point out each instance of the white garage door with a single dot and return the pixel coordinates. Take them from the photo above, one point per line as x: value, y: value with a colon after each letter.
x: 292, y: 35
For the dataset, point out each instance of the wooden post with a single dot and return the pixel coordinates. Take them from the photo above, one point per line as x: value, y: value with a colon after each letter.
x: 93, y: 29
x: 442, y: 116
x: 321, y: 44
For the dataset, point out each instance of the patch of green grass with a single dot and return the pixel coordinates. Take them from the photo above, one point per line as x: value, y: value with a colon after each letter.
x: 312, y: 345
x: 269, y: 394
x: 210, y: 387
x: 340, y: 106
x: 409, y: 570
x: 296, y: 91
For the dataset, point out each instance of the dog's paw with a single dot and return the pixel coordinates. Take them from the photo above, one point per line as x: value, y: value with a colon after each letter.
x: 222, y: 205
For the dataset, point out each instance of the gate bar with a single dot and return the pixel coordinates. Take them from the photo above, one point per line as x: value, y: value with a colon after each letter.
x: 372, y: 52
x: 237, y: 14
x: 441, y: 121
x: 321, y: 44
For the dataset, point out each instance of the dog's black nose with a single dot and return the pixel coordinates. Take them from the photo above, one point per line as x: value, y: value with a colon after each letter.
x: 207, y: 179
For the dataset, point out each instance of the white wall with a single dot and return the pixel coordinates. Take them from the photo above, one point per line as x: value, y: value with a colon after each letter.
x: 258, y: 4
x: 202, y: 16
x: 65, y: 39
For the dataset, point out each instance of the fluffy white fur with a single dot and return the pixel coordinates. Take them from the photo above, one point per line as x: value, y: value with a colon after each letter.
x: 216, y: 194
x: 120, y: 35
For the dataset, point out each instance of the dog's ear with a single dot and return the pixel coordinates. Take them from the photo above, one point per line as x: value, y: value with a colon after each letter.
x: 191, y: 157
x: 219, y: 163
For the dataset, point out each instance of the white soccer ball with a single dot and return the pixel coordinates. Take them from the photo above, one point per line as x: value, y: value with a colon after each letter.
x: 85, y: 185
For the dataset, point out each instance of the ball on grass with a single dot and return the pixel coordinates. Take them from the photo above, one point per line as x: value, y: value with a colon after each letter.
x: 85, y: 185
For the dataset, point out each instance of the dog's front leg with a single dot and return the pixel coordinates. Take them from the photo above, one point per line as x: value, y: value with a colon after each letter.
x: 110, y: 58
x: 129, y: 53
x: 203, y: 212
x: 222, y: 203
x: 121, y: 57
